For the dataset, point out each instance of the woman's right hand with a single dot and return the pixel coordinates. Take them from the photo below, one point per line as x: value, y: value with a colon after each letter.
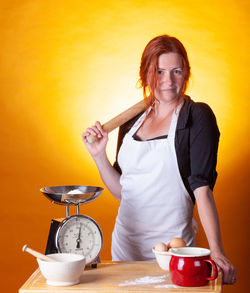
x: 98, y: 147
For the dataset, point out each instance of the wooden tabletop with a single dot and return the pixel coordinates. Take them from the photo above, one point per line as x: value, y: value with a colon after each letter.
x: 113, y: 277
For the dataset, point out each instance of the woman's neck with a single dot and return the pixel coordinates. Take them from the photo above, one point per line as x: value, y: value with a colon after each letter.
x: 163, y: 109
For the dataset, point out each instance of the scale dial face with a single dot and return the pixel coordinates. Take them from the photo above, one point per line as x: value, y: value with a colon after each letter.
x: 79, y: 234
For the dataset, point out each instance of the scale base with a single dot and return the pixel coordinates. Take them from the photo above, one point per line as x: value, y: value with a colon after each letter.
x: 51, y: 246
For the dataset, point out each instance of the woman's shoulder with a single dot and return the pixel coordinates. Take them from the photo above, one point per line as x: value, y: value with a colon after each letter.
x: 199, y: 110
x: 127, y: 125
x: 198, y: 117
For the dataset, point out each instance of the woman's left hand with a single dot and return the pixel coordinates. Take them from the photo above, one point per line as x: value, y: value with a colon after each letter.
x: 229, y: 271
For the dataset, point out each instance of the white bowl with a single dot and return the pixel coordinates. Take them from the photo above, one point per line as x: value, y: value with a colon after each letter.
x: 65, y: 271
x: 163, y: 259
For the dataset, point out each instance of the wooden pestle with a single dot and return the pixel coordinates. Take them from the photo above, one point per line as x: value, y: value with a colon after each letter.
x: 120, y: 119
x: 37, y: 254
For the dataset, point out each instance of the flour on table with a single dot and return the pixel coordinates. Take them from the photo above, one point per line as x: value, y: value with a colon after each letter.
x: 166, y: 286
x: 145, y: 280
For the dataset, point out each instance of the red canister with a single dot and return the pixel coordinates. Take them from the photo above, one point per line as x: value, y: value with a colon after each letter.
x: 191, y: 266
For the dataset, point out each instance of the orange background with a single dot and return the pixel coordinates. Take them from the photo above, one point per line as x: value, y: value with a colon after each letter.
x: 65, y: 64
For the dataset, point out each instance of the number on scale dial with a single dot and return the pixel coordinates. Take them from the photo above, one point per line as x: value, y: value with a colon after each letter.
x: 80, y: 234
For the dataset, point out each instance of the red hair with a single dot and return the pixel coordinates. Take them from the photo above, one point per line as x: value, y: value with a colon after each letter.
x: 149, y: 64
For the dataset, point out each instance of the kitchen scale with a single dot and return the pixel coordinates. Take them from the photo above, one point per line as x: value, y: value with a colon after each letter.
x: 79, y: 234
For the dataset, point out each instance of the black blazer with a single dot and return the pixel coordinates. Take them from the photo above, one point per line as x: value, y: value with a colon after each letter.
x: 196, y: 144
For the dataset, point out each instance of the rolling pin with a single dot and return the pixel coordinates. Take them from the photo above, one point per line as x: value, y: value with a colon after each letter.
x: 120, y: 119
x: 37, y: 254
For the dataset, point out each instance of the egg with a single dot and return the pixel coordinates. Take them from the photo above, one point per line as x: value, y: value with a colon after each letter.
x: 161, y: 247
x: 176, y: 242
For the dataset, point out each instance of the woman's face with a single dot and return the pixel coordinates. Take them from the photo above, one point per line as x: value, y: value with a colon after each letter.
x: 171, y: 77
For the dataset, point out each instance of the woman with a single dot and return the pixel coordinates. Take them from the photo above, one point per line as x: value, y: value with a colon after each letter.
x: 166, y: 161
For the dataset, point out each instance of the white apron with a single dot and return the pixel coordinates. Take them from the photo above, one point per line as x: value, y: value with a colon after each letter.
x: 155, y: 205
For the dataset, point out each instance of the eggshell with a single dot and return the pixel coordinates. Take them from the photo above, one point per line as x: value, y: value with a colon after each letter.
x: 161, y: 247
x: 176, y: 242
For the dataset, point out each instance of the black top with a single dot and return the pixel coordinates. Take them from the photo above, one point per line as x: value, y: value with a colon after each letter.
x: 196, y: 144
x: 136, y: 137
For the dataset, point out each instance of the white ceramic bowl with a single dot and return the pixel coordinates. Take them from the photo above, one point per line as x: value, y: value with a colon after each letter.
x: 65, y: 271
x: 163, y: 259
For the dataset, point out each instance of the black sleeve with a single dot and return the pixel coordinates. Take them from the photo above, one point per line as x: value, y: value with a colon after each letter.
x: 204, y: 140
x: 121, y: 134
x: 123, y: 129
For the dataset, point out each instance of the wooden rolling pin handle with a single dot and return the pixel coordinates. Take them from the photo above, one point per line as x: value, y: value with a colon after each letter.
x: 120, y: 119
x: 37, y: 254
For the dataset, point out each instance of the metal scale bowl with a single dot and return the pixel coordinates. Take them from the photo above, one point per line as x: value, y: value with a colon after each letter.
x: 77, y: 234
